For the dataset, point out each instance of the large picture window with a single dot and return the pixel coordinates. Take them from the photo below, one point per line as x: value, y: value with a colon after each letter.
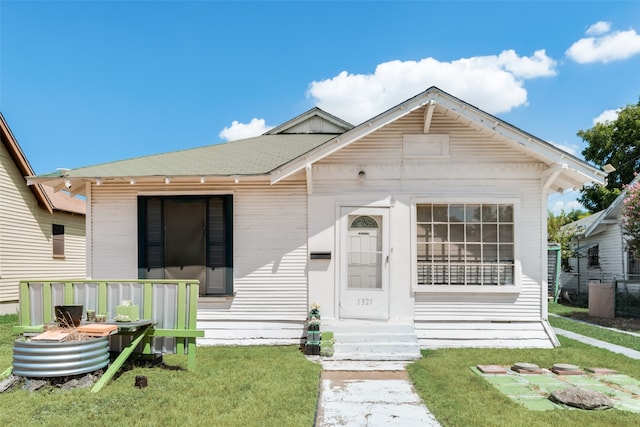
x: 460, y: 244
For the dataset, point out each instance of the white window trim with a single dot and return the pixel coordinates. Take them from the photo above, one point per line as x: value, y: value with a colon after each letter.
x: 468, y: 289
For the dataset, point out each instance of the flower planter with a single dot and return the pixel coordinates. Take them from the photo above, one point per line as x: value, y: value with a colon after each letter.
x: 129, y: 313
x: 41, y: 359
x: 68, y: 316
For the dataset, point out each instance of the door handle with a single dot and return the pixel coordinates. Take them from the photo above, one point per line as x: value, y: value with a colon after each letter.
x: 387, y: 260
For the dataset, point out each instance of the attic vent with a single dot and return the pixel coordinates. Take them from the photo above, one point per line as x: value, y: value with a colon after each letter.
x: 425, y: 146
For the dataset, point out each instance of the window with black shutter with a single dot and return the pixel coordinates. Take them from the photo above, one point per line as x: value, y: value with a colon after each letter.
x: 187, y: 237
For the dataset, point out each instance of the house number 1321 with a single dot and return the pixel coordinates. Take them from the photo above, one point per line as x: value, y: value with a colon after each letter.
x: 365, y: 301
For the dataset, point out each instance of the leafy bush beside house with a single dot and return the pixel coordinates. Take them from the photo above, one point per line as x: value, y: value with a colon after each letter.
x: 631, y: 219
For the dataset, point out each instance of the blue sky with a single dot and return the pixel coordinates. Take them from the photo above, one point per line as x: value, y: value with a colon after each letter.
x: 87, y: 82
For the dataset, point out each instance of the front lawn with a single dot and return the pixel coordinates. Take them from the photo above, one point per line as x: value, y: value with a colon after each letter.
x: 232, y: 386
x: 459, y: 397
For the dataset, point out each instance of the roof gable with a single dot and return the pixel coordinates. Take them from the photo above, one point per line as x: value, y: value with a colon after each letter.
x: 563, y: 170
x: 22, y: 164
x: 46, y: 198
x: 314, y: 121
x: 610, y: 214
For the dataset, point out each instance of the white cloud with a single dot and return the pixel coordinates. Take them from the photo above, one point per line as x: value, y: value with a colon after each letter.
x: 538, y: 65
x: 565, y: 205
x: 566, y: 201
x: 492, y: 83
x: 607, y: 115
x: 598, y: 28
x: 571, y: 149
x: 239, y: 130
x: 604, y: 46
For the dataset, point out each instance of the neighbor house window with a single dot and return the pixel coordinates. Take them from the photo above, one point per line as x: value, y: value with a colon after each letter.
x: 58, y: 240
x: 593, y: 257
x: 465, y: 244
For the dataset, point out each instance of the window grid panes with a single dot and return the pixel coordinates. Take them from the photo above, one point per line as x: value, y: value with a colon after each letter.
x: 465, y: 244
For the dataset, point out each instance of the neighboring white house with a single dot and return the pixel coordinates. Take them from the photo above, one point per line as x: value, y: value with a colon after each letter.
x: 600, y: 252
x: 42, y: 233
x: 431, y: 214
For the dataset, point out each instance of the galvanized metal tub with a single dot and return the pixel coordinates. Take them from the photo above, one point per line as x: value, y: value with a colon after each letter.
x: 41, y: 359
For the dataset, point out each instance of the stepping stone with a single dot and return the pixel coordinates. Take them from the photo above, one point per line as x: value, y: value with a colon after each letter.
x: 491, y: 369
x: 601, y: 371
x: 581, y: 398
x: 566, y: 369
x: 526, y: 368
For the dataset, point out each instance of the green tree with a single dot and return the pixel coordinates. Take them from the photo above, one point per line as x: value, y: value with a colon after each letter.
x: 631, y: 224
x: 617, y: 143
x: 557, y: 233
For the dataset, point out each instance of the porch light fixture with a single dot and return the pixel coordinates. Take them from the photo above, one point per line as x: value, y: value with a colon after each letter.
x: 362, y: 174
x: 98, y: 181
x: 132, y: 181
x: 167, y: 180
x: 202, y: 180
x: 236, y: 179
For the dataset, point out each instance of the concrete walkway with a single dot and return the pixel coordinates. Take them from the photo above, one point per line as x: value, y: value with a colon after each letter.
x: 633, y: 354
x: 369, y: 394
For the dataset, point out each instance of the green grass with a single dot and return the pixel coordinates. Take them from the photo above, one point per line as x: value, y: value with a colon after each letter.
x: 232, y: 386
x: 564, y: 310
x: 458, y: 397
x: 596, y: 332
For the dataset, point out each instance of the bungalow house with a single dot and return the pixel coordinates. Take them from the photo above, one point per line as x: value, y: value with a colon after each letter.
x: 42, y: 232
x: 600, y: 252
x: 431, y: 215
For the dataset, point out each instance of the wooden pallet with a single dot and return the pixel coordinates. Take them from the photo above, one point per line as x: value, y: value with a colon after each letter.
x: 98, y: 329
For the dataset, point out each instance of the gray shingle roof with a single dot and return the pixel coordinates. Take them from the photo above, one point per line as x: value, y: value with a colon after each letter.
x: 251, y: 156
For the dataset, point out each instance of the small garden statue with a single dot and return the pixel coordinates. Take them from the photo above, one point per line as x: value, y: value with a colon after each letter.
x: 315, y: 311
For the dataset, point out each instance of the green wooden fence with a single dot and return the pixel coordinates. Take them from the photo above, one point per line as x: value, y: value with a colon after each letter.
x: 173, y: 317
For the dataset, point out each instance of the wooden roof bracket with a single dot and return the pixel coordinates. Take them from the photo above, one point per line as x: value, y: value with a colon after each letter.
x: 428, y: 115
x: 309, y: 170
x: 551, y: 174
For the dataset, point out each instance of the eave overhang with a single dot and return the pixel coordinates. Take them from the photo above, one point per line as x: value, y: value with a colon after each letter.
x: 23, y: 165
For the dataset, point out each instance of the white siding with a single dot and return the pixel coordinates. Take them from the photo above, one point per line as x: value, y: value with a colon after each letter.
x: 434, y: 335
x: 476, y: 169
x: 611, y: 260
x: 26, y: 248
x: 270, y: 249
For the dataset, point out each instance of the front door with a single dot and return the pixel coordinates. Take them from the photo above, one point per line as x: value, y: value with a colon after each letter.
x: 184, y: 240
x: 364, y: 271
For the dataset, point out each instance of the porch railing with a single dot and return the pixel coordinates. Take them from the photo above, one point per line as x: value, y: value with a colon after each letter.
x: 171, y: 304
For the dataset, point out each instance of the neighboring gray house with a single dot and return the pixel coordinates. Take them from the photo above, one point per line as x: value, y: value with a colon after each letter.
x: 600, y: 251
x: 431, y: 215
x: 42, y: 232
